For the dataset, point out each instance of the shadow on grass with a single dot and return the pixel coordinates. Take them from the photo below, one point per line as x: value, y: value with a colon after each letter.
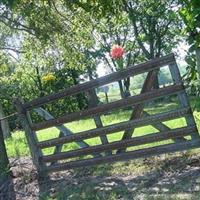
x: 177, y: 178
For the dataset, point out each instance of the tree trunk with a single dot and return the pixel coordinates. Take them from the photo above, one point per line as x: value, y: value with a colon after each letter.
x: 5, y: 177
x: 4, y: 124
x: 156, y: 82
x: 127, y: 87
x: 39, y: 81
x: 94, y: 101
x: 4, y: 163
x: 6, y: 183
x: 80, y: 96
x: 121, y: 89
x: 198, y: 60
x: 106, y: 94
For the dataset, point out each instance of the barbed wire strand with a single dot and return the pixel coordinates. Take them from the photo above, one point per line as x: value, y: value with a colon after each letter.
x: 7, y: 117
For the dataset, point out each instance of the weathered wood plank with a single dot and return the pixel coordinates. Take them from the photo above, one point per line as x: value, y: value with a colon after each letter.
x: 168, y: 148
x: 130, y: 71
x: 63, y: 130
x: 150, y: 138
x: 44, y: 114
x: 4, y: 162
x: 183, y: 96
x: 138, y: 110
x: 116, y: 127
x: 47, y: 116
x: 162, y: 127
x: 31, y: 139
x: 101, y: 109
x: 93, y: 102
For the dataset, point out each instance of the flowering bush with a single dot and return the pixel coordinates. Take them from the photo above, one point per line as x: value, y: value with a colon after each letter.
x: 116, y: 52
x: 48, y: 77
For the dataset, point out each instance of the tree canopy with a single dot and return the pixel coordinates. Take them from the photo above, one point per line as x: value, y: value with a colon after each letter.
x: 46, y: 45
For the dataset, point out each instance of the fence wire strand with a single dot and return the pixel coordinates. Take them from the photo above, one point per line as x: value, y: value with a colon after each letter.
x: 8, y: 116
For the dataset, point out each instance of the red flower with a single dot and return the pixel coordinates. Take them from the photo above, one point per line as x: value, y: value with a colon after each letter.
x: 117, y: 52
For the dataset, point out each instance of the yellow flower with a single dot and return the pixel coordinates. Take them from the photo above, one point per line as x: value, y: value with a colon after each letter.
x: 48, y: 77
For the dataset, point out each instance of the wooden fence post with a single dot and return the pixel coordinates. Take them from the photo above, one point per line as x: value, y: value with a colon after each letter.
x: 4, y: 163
x: 31, y: 138
x: 6, y: 186
x: 4, y: 124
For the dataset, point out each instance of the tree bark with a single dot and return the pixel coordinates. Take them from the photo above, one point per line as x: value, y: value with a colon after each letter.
x: 149, y: 54
x: 4, y: 124
x: 121, y: 89
x: 127, y: 86
x: 156, y: 82
x: 39, y: 81
x: 6, y: 184
x: 79, y: 97
x: 198, y: 60
x: 106, y: 94
x: 4, y: 163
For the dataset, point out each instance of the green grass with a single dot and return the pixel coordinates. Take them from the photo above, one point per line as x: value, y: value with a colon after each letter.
x: 17, y: 145
x: 97, y: 186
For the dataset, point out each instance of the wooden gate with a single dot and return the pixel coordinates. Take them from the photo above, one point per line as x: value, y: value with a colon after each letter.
x: 128, y: 146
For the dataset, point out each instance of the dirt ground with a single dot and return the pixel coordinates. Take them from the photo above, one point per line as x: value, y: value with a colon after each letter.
x: 165, y: 177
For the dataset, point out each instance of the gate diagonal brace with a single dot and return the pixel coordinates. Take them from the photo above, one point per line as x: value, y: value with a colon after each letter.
x: 93, y: 101
x: 64, y: 131
x: 139, y: 110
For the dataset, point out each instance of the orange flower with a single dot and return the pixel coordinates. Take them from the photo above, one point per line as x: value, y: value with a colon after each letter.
x: 116, y: 52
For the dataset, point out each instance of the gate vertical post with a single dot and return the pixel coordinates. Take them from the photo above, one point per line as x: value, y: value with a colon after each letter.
x: 93, y: 101
x: 183, y: 97
x: 31, y: 138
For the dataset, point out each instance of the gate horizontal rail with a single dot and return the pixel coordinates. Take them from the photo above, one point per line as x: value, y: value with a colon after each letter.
x: 101, y: 109
x: 142, y: 153
x: 155, y: 137
x: 116, y: 127
x: 130, y: 71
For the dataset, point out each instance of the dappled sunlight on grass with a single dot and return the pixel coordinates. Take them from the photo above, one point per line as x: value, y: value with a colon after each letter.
x: 81, y: 125
x: 178, y: 123
x: 47, y: 134
x: 17, y: 145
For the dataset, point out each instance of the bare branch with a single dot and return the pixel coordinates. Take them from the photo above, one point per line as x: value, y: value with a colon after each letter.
x: 12, y: 49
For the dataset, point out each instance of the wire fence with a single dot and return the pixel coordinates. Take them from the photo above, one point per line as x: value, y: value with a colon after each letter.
x: 8, y: 116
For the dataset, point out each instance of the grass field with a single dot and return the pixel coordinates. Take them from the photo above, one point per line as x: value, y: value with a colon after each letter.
x: 17, y: 145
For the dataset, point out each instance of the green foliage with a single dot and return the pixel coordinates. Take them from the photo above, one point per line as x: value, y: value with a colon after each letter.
x: 64, y: 78
x: 70, y: 38
x: 190, y: 13
x: 50, y: 40
x: 156, y: 26
x: 191, y: 76
x: 98, y: 8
